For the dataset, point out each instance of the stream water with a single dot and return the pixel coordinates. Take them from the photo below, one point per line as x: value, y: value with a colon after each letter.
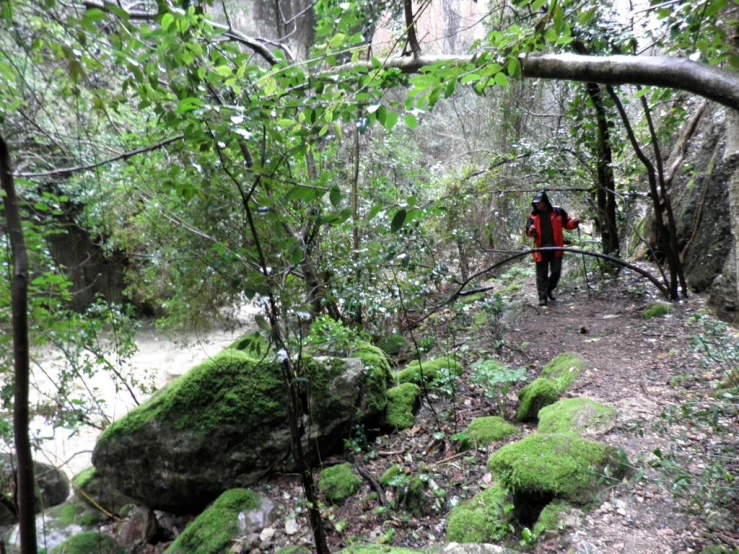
x: 160, y: 358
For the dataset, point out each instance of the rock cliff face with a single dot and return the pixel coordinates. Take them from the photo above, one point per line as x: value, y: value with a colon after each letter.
x: 224, y: 425
x: 703, y: 194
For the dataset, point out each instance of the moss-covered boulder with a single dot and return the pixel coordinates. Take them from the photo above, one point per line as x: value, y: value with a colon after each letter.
x: 93, y: 488
x: 579, y: 416
x: 59, y: 523
x: 223, y: 425
x: 484, y: 519
x: 556, y: 516
x: 484, y: 430
x: 52, y: 486
x: 402, y: 402
x: 556, y: 377
x: 337, y: 483
x: 545, y: 467
x: 535, y: 396
x: 213, y: 531
x: 91, y: 542
x: 427, y: 371
x: 564, y: 369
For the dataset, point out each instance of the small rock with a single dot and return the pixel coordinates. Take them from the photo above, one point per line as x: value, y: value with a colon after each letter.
x: 587, y: 548
x: 721, y: 520
x: 291, y: 527
x: 267, y: 534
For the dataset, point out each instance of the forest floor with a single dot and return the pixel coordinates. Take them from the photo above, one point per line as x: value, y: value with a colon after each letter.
x: 681, y: 443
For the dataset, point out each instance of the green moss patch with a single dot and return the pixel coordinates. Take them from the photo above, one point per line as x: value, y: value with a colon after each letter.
x: 564, y: 369
x: 89, y: 543
x: 579, y: 416
x: 484, y: 519
x: 534, y: 396
x: 485, y: 430
x: 378, y: 376
x: 401, y: 403
x: 656, y: 309
x: 555, y: 379
x: 213, y: 531
x: 338, y: 483
x: 554, y: 466
x: 73, y: 512
x: 418, y: 372
x: 552, y: 517
x: 226, y: 389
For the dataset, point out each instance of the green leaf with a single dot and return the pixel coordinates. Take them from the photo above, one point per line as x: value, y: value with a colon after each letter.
x: 642, y: 92
x: 501, y: 80
x: 223, y: 71
x: 335, y: 196
x: 398, y: 220
x: 337, y: 40
x: 374, y: 211
x: 514, y: 67
x: 188, y: 105
x: 167, y: 20
x: 301, y: 193
x: 296, y: 256
x: 551, y: 35
x: 410, y: 121
x: 390, y: 120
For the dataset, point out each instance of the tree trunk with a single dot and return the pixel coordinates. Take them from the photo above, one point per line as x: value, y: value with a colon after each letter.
x: 605, y: 197
x: 19, y: 292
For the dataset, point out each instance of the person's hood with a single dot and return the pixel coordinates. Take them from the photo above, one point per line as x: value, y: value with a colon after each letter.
x: 541, y: 196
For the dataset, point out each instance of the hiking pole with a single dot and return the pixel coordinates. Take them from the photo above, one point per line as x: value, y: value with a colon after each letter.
x: 584, y: 267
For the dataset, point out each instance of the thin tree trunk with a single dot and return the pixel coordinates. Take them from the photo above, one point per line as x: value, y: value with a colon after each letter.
x: 664, y: 196
x: 25, y: 486
x: 673, y: 259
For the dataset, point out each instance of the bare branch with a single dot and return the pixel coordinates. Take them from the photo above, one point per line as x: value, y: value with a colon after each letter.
x: 67, y: 171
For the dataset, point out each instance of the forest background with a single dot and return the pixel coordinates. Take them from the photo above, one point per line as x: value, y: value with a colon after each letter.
x: 360, y: 160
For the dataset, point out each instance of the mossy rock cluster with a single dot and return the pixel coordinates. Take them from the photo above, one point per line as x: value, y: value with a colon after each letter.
x: 576, y: 416
x: 224, y: 425
x: 213, y: 531
x: 556, y: 377
x: 485, y: 430
x: 338, y: 483
x: 484, y: 519
x: 402, y: 402
x: 427, y: 371
x: 91, y: 542
x: 550, y: 466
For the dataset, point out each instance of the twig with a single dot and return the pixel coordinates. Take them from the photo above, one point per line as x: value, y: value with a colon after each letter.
x: 364, y: 472
x: 449, y: 459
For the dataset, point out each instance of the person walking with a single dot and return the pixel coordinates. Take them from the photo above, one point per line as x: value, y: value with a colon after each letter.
x: 545, y: 225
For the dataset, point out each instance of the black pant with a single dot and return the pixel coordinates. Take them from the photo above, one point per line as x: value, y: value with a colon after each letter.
x: 547, y: 274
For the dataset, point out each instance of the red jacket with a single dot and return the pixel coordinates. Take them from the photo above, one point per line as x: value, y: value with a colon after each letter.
x: 560, y: 220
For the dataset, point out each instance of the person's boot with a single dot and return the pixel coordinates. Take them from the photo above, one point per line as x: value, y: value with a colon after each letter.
x: 543, y: 301
x: 550, y: 295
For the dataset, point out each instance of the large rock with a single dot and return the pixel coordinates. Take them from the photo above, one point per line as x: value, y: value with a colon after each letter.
x: 52, y: 486
x: 236, y: 513
x: 224, y: 425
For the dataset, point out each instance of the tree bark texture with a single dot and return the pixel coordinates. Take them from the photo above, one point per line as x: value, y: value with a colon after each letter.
x: 19, y: 293
x: 605, y: 196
